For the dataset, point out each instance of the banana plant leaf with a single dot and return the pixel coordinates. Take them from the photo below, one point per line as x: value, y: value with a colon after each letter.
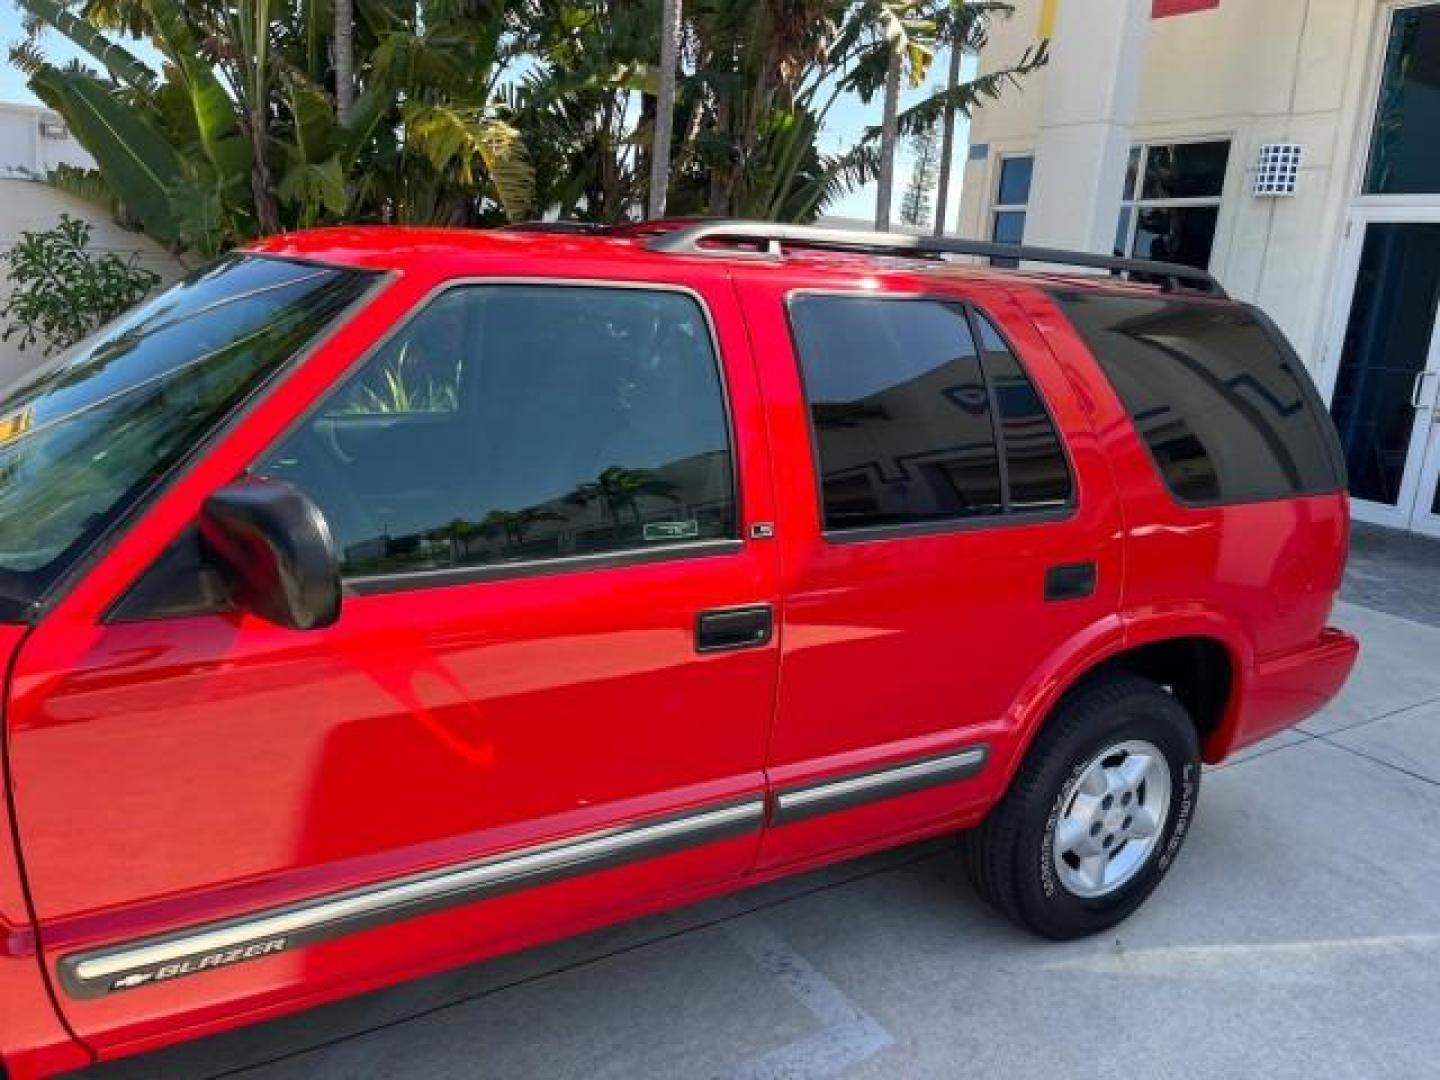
x: 140, y: 167
x: 214, y: 110
x: 117, y: 60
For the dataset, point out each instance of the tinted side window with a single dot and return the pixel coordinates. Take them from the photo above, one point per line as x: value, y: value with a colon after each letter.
x: 515, y: 423
x: 420, y: 374
x: 1228, y: 413
x: 1036, y: 471
x: 900, y: 410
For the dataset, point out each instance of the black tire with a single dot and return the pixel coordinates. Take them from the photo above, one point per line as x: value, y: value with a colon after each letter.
x: 1009, y: 857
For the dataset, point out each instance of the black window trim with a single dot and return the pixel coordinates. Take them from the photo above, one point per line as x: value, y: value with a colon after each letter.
x: 440, y: 577
x: 401, y: 581
x: 1005, y: 518
x: 1277, y: 338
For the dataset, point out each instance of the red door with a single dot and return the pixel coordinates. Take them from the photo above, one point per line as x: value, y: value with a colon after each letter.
x: 524, y: 721
x: 933, y: 570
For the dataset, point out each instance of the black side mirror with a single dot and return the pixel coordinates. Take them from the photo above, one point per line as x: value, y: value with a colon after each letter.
x: 275, y: 551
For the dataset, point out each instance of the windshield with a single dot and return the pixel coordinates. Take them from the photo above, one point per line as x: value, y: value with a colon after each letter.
x: 84, y: 436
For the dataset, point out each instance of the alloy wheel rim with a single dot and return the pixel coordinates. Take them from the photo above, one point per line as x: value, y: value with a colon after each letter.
x: 1111, y: 818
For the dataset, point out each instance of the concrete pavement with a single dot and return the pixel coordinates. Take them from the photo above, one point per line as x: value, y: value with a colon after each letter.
x: 1298, y: 936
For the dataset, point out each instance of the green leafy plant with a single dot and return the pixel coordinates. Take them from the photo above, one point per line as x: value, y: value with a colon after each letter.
x: 403, y: 388
x: 235, y: 133
x: 60, y: 291
x: 262, y: 117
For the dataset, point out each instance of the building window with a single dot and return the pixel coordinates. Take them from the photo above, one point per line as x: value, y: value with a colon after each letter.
x: 1012, y: 195
x: 1171, y: 201
x: 1404, y: 156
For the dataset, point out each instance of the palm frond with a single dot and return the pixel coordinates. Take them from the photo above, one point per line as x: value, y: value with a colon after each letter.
x: 967, y: 96
x: 462, y: 139
x: 839, y: 175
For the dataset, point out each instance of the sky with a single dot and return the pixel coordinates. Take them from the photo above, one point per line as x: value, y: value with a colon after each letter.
x: 850, y: 117
x: 847, y: 120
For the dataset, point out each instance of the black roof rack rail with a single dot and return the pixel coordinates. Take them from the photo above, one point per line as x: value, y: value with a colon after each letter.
x: 768, y: 240
x: 566, y: 227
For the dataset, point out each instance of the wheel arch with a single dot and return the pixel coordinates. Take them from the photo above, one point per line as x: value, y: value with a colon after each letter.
x: 1204, y: 659
x: 1199, y: 671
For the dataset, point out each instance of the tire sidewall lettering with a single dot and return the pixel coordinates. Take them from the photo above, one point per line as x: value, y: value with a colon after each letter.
x: 1185, y: 809
x: 1049, y: 883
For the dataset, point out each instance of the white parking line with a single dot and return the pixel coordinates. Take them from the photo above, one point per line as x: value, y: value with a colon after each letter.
x: 848, y: 1034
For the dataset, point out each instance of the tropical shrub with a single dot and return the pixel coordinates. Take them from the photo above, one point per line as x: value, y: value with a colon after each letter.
x: 476, y: 112
x: 238, y: 136
x: 60, y: 291
x: 761, y: 79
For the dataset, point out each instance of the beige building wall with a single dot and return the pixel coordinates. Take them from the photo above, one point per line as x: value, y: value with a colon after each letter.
x: 31, y: 205
x: 1252, y: 71
x: 33, y: 140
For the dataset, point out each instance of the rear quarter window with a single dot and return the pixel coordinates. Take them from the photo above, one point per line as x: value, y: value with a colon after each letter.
x: 1221, y: 401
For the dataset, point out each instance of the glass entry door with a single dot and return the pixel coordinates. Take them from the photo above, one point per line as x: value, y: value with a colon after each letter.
x: 1386, y: 394
x: 1426, y: 518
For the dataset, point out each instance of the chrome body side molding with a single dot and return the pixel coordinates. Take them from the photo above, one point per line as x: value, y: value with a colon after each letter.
x: 215, y: 945
x: 210, y: 946
x: 797, y: 803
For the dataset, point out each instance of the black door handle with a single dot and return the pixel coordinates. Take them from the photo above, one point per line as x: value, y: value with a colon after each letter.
x: 734, y: 628
x: 1073, y: 581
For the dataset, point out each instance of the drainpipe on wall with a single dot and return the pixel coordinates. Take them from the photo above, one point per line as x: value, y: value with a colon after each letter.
x: 1092, y: 89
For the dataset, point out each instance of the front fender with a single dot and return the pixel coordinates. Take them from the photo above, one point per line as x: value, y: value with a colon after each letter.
x: 33, y: 1041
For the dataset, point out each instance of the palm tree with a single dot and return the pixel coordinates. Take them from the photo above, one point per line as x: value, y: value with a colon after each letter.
x: 947, y: 139
x: 514, y: 524
x: 344, y: 59
x: 889, y: 130
x: 912, y: 31
x: 619, y: 488
x: 664, y: 107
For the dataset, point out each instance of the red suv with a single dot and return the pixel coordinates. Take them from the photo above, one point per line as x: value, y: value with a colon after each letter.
x: 376, y: 601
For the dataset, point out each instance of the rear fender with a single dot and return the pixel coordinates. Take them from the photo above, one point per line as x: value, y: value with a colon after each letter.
x: 1111, y: 637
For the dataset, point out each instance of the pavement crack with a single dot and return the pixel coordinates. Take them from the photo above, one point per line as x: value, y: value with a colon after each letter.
x: 1430, y: 780
x: 1386, y: 715
x: 1305, y: 737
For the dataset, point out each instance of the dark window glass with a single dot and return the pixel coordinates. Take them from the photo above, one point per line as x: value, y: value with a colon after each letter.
x: 87, y: 434
x: 1015, y: 174
x: 1009, y: 226
x: 900, y: 411
x: 1122, y: 232
x: 557, y: 421
x: 1183, y: 234
x: 1035, y: 467
x: 1009, y: 229
x: 1227, y: 411
x: 421, y: 375
x: 1185, y: 170
x: 1404, y: 153
x: 1386, y: 347
x: 1132, y: 172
